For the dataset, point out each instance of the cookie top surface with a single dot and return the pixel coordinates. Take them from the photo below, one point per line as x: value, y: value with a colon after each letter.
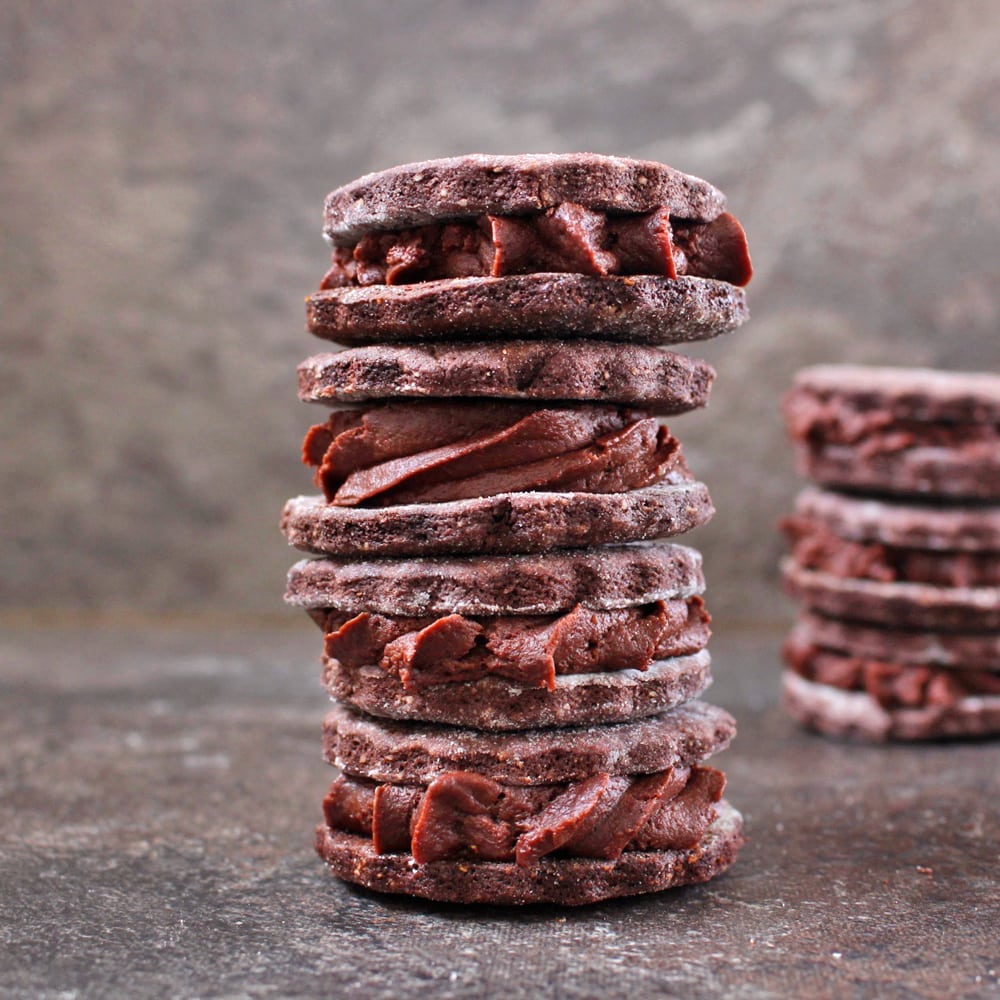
x: 417, y: 753
x: 666, y: 382
x: 910, y: 524
x: 614, y: 576
x: 467, y: 186
x: 921, y: 394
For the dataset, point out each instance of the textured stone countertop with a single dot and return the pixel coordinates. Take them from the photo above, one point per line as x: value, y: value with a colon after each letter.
x: 158, y: 790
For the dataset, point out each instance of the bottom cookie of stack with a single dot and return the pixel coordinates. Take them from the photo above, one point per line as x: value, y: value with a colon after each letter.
x: 568, y: 816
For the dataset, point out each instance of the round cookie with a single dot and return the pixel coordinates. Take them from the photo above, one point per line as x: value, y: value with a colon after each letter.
x: 857, y: 715
x: 415, y: 754
x: 642, y: 309
x: 468, y: 186
x: 661, y: 382
x: 913, y: 472
x: 503, y: 523
x: 493, y: 703
x: 610, y: 577
x: 914, y: 647
x: 898, y: 604
x: 564, y: 881
x: 965, y: 528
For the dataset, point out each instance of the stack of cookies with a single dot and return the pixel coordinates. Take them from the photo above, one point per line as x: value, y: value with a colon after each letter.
x: 516, y: 660
x: 895, y: 553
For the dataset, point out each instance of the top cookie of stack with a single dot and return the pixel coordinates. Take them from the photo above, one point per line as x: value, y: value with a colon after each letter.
x: 523, y: 246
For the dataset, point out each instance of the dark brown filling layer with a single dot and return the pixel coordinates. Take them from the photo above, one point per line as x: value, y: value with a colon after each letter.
x: 532, y: 650
x: 568, y: 238
x: 401, y: 453
x: 814, y: 547
x: 819, y: 423
x: 892, y: 685
x: 463, y: 815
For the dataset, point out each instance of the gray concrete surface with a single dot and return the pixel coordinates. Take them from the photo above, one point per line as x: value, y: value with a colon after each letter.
x: 158, y: 791
x: 162, y: 171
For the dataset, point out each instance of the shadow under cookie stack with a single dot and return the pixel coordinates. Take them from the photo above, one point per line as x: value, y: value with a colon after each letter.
x: 895, y: 553
x: 515, y: 656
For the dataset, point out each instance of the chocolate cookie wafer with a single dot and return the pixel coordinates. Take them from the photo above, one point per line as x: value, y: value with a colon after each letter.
x: 658, y: 381
x: 500, y: 524
x: 554, y: 815
x: 897, y: 430
x: 896, y: 603
x: 616, y: 576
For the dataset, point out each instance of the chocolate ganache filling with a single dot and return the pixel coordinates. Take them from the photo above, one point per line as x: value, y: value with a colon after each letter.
x: 815, y: 547
x: 531, y: 650
x: 567, y: 238
x: 819, y: 423
x: 402, y: 453
x: 462, y: 815
x: 892, y: 685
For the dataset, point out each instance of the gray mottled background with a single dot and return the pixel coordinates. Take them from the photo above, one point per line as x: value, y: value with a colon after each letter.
x: 162, y: 170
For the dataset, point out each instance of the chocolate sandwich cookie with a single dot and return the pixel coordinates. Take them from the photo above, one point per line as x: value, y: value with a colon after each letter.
x: 858, y: 715
x: 825, y: 537
x: 662, y: 382
x: 895, y: 603
x: 915, y: 647
x: 505, y: 523
x: 896, y: 430
x: 519, y: 672
x: 616, y: 576
x: 890, y: 681
x: 565, y: 816
x: 530, y: 245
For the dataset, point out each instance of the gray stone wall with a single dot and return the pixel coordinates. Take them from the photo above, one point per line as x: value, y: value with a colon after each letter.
x: 162, y: 170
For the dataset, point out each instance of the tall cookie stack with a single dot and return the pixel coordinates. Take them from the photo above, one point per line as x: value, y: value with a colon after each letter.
x: 516, y: 660
x: 895, y: 553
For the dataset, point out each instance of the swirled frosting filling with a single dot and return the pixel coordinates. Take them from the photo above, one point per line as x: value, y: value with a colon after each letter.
x: 892, y: 685
x: 464, y: 815
x: 531, y: 650
x: 401, y: 453
x: 568, y: 238
x: 815, y: 547
x: 819, y: 423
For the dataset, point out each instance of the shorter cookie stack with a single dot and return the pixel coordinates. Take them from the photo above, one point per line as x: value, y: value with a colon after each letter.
x: 515, y: 654
x: 895, y: 554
